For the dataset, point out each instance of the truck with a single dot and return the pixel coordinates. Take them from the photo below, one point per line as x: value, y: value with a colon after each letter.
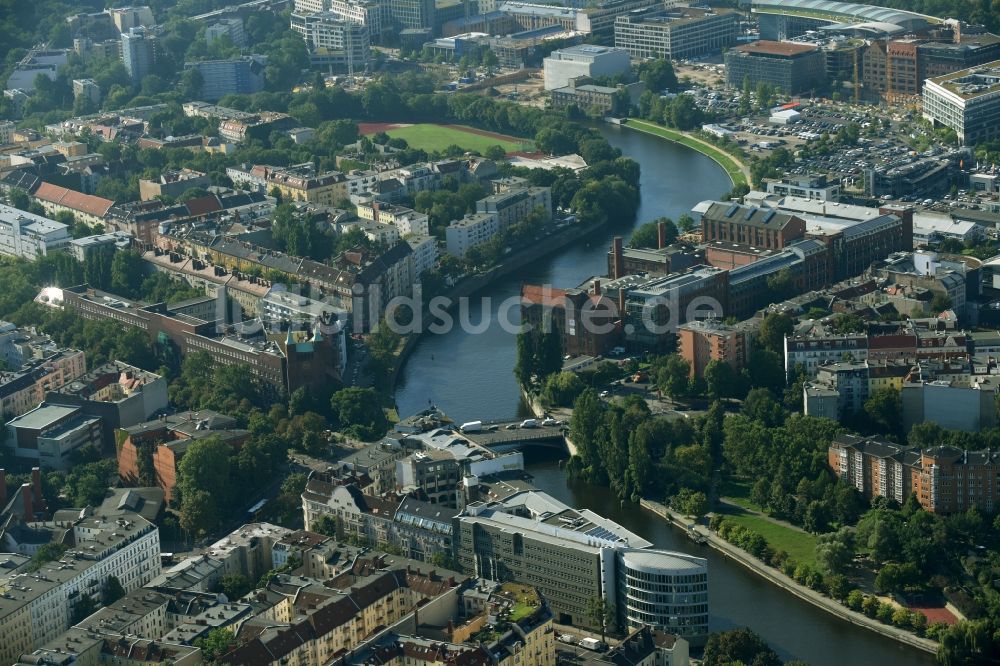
x: 592, y: 644
x: 529, y: 423
x: 472, y: 426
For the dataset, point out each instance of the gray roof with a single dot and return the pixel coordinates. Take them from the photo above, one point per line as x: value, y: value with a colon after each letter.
x: 843, y: 11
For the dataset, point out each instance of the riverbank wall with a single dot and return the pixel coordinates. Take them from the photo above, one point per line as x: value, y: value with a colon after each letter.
x: 475, y: 283
x: 778, y: 578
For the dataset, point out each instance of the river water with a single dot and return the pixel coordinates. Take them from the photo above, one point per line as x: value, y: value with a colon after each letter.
x: 470, y: 377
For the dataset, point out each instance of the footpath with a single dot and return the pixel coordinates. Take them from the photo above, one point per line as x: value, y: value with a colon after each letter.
x: 738, y: 171
x: 781, y: 580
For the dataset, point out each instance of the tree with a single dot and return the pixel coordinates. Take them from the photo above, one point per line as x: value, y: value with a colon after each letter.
x: 358, y: 412
x: 835, y: 551
x: 721, y: 380
x: 601, y: 614
x: 563, y: 388
x: 647, y: 236
x: 235, y: 585
x: 884, y: 407
x: 216, y: 643
x: 691, y: 503
x: 658, y: 75
x: 672, y: 377
x: 773, y: 330
x: 685, y: 223
x: 199, y: 512
x: 127, y: 272
x: 895, y: 577
x: 84, y: 607
x: 738, y: 646
x: 112, y: 590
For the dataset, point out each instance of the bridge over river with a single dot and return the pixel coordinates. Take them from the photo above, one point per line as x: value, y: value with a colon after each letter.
x: 498, y: 436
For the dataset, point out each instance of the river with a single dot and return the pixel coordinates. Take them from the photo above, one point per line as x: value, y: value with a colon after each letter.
x: 470, y: 377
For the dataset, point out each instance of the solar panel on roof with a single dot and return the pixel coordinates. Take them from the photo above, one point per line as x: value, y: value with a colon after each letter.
x: 769, y: 215
x: 732, y: 209
x: 749, y: 213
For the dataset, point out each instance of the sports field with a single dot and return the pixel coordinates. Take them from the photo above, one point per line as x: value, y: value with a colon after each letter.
x: 431, y: 137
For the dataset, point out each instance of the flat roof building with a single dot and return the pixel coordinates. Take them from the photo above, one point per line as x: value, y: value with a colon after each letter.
x: 967, y: 101
x: 681, y: 32
x: 583, y: 60
x: 788, y: 66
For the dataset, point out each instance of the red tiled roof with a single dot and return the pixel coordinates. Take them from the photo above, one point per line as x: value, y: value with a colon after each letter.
x: 203, y: 205
x: 85, y: 203
x: 539, y: 295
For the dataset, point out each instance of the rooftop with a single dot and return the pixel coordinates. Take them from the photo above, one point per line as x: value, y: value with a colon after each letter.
x: 973, y: 82
x: 781, y: 49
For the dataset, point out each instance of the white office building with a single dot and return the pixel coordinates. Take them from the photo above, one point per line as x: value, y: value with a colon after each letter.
x: 583, y: 60
x: 30, y: 236
x: 967, y: 101
x: 472, y: 230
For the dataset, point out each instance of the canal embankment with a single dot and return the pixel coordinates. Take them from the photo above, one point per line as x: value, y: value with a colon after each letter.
x: 778, y: 578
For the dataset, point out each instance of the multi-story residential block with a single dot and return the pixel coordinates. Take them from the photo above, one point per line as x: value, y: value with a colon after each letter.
x: 107, y: 541
x: 88, y: 90
x: 967, y: 101
x: 701, y: 342
x: 677, y: 33
x: 164, y: 441
x: 817, y: 188
x: 81, y: 248
x: 572, y: 556
x: 964, y: 402
x: 85, y: 208
x: 326, y: 189
x: 840, y: 389
x: 585, y: 60
x: 173, y: 183
x: 514, y: 205
x: 138, y: 53
x: 30, y: 236
x: 406, y: 220
x: 425, y: 253
x: 119, y: 394
x: 813, y: 346
x: 304, y: 621
x: 227, y: 27
x: 238, y: 76
x: 363, y: 12
x: 944, y: 479
x: 472, y: 230
x: 788, y: 66
x: 334, y: 41
x: 26, y: 387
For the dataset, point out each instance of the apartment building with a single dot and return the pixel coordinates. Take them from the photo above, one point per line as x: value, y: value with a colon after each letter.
x: 468, y: 232
x: 25, y: 388
x: 677, y: 33
x: 37, y: 607
x: 840, y: 389
x: 139, y: 54
x: 334, y: 41
x: 173, y: 183
x: 227, y: 27
x: 944, y: 479
x: 85, y: 208
x: 305, y: 621
x: 818, y: 188
x: 406, y: 220
x: 701, y: 342
x: 238, y: 76
x: 29, y: 236
x: 513, y: 205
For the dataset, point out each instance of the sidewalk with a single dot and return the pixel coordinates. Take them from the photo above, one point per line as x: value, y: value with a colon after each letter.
x: 783, y: 581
